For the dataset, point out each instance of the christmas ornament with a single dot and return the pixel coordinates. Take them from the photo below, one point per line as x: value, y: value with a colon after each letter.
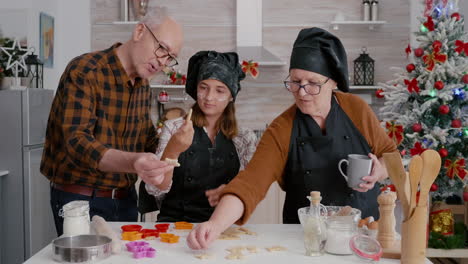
x: 456, y: 16
x: 410, y: 67
x: 439, y: 85
x: 465, y: 78
x: 417, y: 127
x: 435, y: 56
x: 428, y: 7
x: 418, y: 52
x: 417, y: 150
x: 412, y: 85
x: 378, y: 93
x: 455, y: 168
x: 461, y: 47
x: 456, y: 123
x: 459, y: 93
x: 434, y: 187
x: 163, y: 97
x: 408, y: 50
x: 443, y: 152
x: 403, y: 152
x: 395, y: 132
x: 441, y: 221
x: 178, y: 78
x: 444, y: 109
x: 429, y: 24
x: 423, y: 29
x: 390, y: 187
x: 17, y: 65
x: 250, y: 67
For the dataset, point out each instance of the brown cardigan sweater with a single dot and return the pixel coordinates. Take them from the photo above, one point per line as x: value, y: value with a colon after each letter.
x: 269, y: 160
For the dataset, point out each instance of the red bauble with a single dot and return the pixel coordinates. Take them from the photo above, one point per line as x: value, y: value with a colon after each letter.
x: 410, y: 67
x: 418, y: 52
x: 456, y: 123
x: 444, y: 109
x: 439, y: 85
x: 465, y: 78
x: 434, y: 187
x: 456, y: 16
x: 379, y: 94
x: 443, y: 152
x: 163, y: 97
x: 417, y: 127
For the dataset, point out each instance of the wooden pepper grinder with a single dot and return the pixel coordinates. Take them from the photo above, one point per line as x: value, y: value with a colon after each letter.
x: 386, y: 233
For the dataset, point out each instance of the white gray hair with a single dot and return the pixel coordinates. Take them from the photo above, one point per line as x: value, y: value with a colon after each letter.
x: 155, y: 16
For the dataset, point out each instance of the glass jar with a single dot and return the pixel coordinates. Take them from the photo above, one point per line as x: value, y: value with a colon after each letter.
x: 340, y: 230
x: 76, y: 220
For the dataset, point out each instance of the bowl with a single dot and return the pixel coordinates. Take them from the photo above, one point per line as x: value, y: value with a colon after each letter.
x: 329, y: 214
x: 81, y: 249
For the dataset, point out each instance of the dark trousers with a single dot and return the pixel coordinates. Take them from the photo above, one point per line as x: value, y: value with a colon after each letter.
x: 124, y: 210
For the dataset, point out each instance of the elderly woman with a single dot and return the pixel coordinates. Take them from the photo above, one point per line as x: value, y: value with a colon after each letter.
x: 302, y: 147
x: 210, y: 147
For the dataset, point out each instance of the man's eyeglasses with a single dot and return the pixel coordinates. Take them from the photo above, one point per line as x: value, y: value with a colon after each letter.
x: 310, y: 88
x: 161, y: 52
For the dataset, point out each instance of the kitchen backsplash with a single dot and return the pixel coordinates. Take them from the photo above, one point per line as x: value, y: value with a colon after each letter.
x: 210, y: 24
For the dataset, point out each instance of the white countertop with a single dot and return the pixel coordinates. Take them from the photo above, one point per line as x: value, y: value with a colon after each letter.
x: 289, y: 236
x: 3, y: 173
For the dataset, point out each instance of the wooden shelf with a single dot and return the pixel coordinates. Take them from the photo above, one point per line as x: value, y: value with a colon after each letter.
x: 167, y: 86
x: 447, y: 253
x: 371, y: 24
x: 364, y: 87
x: 117, y: 23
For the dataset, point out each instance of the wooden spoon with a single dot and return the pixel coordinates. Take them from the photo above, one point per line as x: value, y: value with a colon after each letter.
x: 415, y: 169
x: 398, y: 176
x: 431, y: 168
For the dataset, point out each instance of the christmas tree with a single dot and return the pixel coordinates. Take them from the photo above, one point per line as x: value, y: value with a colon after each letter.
x: 426, y: 105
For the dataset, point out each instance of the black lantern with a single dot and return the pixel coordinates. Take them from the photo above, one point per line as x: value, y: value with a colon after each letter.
x: 34, y: 71
x: 364, y: 69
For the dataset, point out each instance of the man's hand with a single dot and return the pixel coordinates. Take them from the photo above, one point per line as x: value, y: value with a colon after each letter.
x: 182, y: 138
x: 378, y: 173
x: 213, y: 195
x: 150, y: 169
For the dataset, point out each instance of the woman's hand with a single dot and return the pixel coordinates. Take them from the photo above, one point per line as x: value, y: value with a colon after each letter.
x: 213, y: 195
x: 379, y: 172
x: 203, y: 235
x: 182, y: 139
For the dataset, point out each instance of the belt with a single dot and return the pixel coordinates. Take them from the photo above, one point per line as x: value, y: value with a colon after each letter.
x: 88, y: 191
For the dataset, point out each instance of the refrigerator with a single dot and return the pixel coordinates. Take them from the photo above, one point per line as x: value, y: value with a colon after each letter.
x: 26, y: 221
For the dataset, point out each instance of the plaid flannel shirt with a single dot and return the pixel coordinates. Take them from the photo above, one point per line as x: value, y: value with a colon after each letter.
x: 96, y: 108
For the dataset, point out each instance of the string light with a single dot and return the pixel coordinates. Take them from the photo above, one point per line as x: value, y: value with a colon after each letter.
x: 433, y: 93
x: 423, y: 28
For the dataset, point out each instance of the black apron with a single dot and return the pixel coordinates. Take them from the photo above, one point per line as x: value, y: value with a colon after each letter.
x: 203, y: 167
x: 313, y: 164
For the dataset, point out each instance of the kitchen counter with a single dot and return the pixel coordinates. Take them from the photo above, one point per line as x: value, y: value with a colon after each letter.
x: 289, y: 236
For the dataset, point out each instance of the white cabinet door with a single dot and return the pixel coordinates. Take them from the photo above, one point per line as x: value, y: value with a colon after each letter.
x: 39, y: 222
x: 270, y: 210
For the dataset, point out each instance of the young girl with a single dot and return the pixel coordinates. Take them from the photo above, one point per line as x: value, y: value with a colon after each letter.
x: 210, y: 147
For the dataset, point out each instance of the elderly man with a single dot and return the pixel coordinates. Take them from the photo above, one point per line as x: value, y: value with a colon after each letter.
x: 99, y: 135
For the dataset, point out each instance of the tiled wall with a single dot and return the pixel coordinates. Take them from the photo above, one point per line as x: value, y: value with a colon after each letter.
x: 210, y: 24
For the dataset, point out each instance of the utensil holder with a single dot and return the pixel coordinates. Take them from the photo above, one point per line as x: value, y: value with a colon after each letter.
x: 414, y: 237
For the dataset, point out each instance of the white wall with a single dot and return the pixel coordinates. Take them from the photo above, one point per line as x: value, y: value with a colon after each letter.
x: 463, y: 4
x: 72, y: 35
